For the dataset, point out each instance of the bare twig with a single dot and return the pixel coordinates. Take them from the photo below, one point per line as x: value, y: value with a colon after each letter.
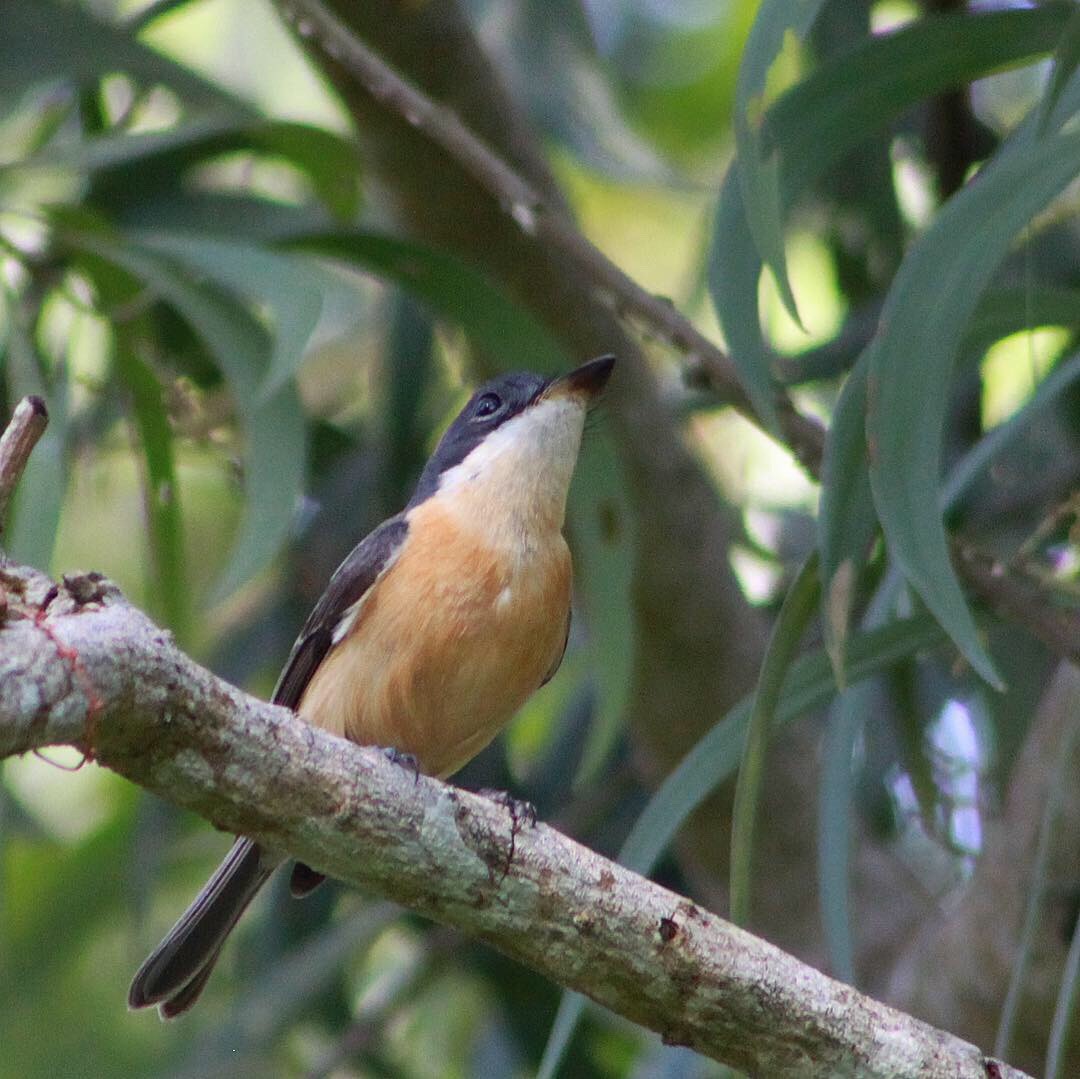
x: 576, y: 917
x: 27, y: 425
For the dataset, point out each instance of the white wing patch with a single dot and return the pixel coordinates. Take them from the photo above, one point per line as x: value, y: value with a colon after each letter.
x: 351, y: 613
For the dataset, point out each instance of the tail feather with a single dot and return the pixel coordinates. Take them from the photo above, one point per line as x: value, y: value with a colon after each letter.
x: 177, y: 970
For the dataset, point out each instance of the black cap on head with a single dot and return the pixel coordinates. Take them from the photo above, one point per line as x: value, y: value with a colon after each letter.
x: 490, y: 407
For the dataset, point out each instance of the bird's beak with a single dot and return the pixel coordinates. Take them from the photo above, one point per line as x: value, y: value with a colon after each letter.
x: 585, y: 382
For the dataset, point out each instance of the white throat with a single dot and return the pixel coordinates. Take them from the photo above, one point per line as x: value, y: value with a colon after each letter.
x: 516, y: 481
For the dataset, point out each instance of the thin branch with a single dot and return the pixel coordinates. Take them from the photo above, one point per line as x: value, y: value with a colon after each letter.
x: 27, y: 425
x: 79, y: 666
x: 537, y: 217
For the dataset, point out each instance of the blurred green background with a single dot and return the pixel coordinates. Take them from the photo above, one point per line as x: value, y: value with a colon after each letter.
x: 249, y: 349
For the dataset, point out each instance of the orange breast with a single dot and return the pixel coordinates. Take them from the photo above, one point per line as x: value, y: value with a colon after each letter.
x: 448, y: 644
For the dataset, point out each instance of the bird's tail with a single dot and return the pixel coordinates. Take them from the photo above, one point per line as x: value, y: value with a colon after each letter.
x: 176, y: 971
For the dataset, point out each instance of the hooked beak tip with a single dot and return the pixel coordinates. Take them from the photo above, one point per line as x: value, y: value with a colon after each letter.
x: 586, y: 381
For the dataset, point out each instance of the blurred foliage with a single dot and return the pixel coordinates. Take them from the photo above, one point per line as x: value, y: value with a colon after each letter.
x: 245, y: 373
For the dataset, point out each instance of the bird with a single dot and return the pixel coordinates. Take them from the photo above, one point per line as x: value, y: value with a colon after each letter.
x: 430, y: 635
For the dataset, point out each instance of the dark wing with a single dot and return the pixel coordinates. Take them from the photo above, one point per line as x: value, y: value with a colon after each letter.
x: 558, y: 662
x: 350, y: 581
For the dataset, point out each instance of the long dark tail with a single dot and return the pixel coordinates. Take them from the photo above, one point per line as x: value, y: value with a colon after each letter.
x: 176, y: 971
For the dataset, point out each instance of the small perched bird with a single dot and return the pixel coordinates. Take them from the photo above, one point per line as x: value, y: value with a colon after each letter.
x: 432, y: 633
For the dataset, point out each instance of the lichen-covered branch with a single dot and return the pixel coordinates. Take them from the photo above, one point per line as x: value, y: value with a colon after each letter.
x: 79, y: 666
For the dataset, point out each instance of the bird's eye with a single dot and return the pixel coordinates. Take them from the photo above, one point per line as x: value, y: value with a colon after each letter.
x: 487, y: 405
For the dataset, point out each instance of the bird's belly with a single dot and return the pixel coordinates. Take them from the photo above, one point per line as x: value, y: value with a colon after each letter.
x: 448, y: 646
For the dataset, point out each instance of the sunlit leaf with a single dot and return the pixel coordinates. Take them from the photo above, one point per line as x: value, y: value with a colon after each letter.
x: 935, y: 292
x: 791, y: 622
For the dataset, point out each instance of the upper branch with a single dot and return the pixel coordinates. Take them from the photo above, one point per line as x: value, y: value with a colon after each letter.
x: 79, y: 666
x: 537, y: 217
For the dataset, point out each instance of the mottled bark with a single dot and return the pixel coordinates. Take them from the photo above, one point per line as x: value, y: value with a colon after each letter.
x: 78, y: 666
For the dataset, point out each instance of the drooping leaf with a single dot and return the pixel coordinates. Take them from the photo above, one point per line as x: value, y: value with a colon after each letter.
x: 777, y: 22
x: 273, y: 427
x: 453, y: 290
x: 1063, y: 1024
x: 842, y: 103
x: 162, y: 158
x: 935, y: 293
x: 834, y: 829
x: 787, y: 632
x: 993, y: 444
x: 292, y: 289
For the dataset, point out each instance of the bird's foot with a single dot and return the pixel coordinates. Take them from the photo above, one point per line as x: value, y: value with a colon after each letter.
x: 403, y: 760
x: 522, y: 813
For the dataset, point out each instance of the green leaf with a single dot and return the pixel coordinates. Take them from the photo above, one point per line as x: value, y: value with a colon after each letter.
x: 847, y: 519
x: 788, y: 630
x: 274, y: 454
x: 331, y: 163
x: 826, y: 115
x: 934, y: 294
x: 293, y: 289
x: 716, y: 756
x: 51, y: 40
x: 777, y: 21
x: 453, y: 290
x: 816, y: 123
x: 277, y: 999
x: 1005, y: 311
x: 733, y: 271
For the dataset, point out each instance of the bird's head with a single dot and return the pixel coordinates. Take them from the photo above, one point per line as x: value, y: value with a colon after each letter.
x: 516, y: 441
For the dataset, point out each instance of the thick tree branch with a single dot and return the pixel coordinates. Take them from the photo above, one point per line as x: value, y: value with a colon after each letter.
x: 79, y: 666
